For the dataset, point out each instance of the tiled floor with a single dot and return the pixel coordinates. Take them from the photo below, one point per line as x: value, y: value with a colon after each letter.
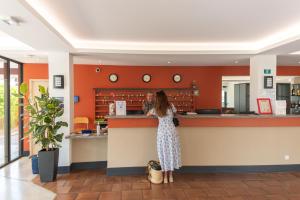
x: 16, y: 183
x: 94, y: 184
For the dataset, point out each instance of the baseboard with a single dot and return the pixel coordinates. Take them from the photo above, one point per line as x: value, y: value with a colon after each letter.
x: 63, y: 169
x: 125, y: 171
x: 239, y: 169
x: 209, y: 169
x: 82, y: 165
x: 25, y: 153
x: 89, y: 165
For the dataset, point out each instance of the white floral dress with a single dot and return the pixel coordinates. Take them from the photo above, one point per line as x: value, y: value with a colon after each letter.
x: 168, y: 145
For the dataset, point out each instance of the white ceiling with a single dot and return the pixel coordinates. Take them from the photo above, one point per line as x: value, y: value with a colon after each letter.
x: 191, y: 25
x: 140, y: 32
x: 197, y: 21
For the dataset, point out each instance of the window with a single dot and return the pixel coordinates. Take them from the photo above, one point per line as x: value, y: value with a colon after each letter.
x: 11, y: 132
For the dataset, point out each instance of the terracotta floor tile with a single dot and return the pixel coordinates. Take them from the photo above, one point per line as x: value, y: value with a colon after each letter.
x: 88, y: 196
x: 175, y: 194
x: 153, y: 194
x: 80, y: 189
x: 197, y: 184
x: 179, y: 185
x: 132, y: 195
x: 277, y: 197
x: 215, y: 192
x: 254, y: 183
x: 194, y: 193
x: 110, y: 196
x: 94, y: 184
x: 294, y: 196
x: 271, y: 190
x: 140, y: 186
x: 256, y: 191
x: 121, y: 186
x: 112, y: 179
x: 237, y: 191
x: 102, y: 188
x: 70, y: 196
x: 63, y: 189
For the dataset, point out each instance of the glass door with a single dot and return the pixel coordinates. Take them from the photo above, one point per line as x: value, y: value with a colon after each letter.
x: 11, y: 130
x: 2, y: 119
x: 14, y: 111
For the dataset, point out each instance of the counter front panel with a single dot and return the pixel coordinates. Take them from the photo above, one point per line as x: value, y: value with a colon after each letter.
x: 208, y: 121
x: 208, y: 143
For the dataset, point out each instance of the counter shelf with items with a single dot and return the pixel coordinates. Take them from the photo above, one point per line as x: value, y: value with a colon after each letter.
x: 182, y: 98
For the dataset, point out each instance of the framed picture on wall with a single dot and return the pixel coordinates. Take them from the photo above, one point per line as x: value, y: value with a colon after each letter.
x: 264, y: 106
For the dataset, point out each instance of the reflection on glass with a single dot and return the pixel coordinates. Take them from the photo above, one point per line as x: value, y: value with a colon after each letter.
x: 14, y: 111
x: 2, y: 139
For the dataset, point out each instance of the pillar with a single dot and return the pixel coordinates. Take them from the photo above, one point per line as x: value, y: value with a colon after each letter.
x: 60, y: 63
x: 260, y: 66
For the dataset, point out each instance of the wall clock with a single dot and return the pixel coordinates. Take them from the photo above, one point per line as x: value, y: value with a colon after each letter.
x: 113, y: 78
x: 176, y: 78
x: 146, y: 78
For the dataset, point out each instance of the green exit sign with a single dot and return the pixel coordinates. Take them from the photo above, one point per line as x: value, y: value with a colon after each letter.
x: 267, y: 71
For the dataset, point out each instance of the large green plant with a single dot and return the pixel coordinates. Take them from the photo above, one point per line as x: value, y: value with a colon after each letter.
x: 43, y: 112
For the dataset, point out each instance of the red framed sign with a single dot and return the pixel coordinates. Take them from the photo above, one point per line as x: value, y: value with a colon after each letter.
x: 264, y: 106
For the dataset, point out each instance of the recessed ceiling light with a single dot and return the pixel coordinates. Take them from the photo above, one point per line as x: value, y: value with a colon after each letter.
x: 169, y: 62
x: 236, y: 61
x: 10, y: 20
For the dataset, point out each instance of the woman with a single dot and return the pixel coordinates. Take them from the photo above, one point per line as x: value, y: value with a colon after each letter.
x: 168, y: 147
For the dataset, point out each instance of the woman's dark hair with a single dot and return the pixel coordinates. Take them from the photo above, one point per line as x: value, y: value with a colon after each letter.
x: 161, y: 104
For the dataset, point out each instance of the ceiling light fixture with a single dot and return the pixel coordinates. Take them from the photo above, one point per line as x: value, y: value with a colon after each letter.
x: 236, y: 61
x: 11, y: 21
x: 169, y: 62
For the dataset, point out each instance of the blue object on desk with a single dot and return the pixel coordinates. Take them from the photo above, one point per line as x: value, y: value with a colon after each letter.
x: 86, y: 131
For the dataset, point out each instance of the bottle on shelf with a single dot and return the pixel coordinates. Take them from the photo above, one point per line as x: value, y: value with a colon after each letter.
x: 293, y: 92
x: 98, y: 129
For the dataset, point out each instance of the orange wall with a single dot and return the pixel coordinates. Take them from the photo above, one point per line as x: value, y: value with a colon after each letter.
x: 209, y: 81
x: 288, y: 71
x: 85, y: 78
x: 33, y: 71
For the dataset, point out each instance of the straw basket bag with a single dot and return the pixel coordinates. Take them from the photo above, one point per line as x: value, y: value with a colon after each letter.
x: 155, y: 174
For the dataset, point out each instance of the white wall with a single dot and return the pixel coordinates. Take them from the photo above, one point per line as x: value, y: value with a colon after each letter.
x: 257, y: 66
x: 60, y: 63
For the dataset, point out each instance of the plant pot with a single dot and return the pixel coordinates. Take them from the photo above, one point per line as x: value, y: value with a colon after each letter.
x: 48, y: 164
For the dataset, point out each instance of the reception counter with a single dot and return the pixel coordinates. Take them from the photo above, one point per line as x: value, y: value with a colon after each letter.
x: 209, y: 143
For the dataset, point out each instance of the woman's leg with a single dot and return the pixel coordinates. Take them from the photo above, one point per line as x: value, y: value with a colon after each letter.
x: 165, y: 174
x: 171, y: 180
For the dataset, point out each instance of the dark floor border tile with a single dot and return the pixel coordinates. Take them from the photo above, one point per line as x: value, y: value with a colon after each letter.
x: 63, y: 169
x: 89, y: 165
x: 209, y: 169
x: 82, y: 165
x: 125, y: 171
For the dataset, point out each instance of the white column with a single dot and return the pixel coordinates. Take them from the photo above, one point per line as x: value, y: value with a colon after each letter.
x: 257, y: 66
x: 60, y: 63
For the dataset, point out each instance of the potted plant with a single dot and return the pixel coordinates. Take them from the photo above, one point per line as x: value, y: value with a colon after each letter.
x: 43, y: 114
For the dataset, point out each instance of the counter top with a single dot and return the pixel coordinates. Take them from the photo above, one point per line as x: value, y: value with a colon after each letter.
x: 207, y: 120
x: 205, y: 116
x: 85, y: 136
